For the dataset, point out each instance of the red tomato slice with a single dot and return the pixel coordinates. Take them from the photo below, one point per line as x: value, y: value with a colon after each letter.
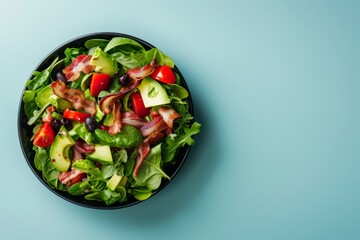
x: 99, y: 82
x: 138, y: 105
x: 45, y: 136
x: 74, y: 115
x: 164, y: 74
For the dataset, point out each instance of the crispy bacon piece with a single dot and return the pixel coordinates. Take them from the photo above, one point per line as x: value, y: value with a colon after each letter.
x: 129, y: 118
x: 139, y: 73
x: 76, y: 154
x: 75, y: 96
x: 136, y: 75
x: 169, y: 115
x: 70, y: 177
x: 81, y: 146
x: 48, y: 117
x: 78, y: 65
x: 155, y: 125
x: 154, y: 138
x: 116, y: 127
x: 142, y: 151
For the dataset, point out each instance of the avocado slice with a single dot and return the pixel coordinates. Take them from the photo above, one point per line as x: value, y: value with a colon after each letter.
x: 103, y: 63
x: 114, y: 182
x: 59, y: 150
x: 42, y: 98
x: 109, y: 120
x: 59, y: 103
x: 101, y: 154
x: 152, y: 93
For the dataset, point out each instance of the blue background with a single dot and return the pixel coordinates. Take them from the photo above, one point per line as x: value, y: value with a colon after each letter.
x: 275, y: 85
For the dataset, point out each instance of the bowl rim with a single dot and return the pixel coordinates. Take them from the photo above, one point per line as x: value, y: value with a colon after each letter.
x: 20, y: 118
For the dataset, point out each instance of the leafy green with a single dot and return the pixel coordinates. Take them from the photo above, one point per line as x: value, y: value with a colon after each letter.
x: 71, y: 54
x: 177, y: 90
x: 150, y: 173
x: 142, y: 194
x: 120, y: 157
x: 41, y: 79
x: 84, y: 133
x: 96, y: 43
x: 41, y: 157
x: 85, y: 81
x: 121, y: 44
x: 160, y: 57
x: 37, y: 114
x: 128, y: 137
x: 107, y: 196
x: 175, y: 142
x: 29, y: 103
x: 50, y: 175
x: 87, y: 166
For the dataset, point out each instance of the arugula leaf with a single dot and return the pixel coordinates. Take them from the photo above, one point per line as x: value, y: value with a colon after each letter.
x: 41, y: 79
x: 37, y: 114
x: 175, y: 142
x: 150, y: 172
x: 128, y: 137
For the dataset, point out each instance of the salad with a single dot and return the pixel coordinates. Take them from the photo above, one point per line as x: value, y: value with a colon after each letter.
x: 108, y: 120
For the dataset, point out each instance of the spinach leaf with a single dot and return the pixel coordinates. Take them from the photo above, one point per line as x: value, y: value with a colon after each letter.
x: 150, y: 172
x: 128, y: 137
x: 96, y: 43
x: 120, y: 44
x: 29, y: 103
x: 76, y: 189
x: 142, y: 194
x: 107, y: 196
x: 85, y: 81
x: 177, y: 90
x: 87, y: 166
x: 71, y: 54
x: 41, y: 79
x: 175, y: 142
x: 37, y: 114
x: 84, y: 133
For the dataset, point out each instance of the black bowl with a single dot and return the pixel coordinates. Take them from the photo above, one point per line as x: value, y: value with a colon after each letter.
x: 25, y: 131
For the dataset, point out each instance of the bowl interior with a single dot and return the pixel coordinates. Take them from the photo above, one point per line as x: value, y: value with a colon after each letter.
x: 25, y: 131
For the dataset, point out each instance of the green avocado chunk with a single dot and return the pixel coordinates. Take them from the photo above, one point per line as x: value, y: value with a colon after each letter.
x: 101, y: 154
x: 59, y: 150
x: 152, y: 93
x: 103, y: 63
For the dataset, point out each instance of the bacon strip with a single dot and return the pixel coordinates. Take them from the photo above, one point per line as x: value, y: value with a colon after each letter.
x: 139, y: 73
x: 81, y: 146
x: 79, y: 64
x: 129, y: 118
x: 67, y: 177
x: 142, y: 151
x: 136, y: 75
x: 116, y: 127
x: 48, y: 117
x: 169, y: 115
x: 76, y: 154
x: 155, y: 125
x: 75, y: 96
